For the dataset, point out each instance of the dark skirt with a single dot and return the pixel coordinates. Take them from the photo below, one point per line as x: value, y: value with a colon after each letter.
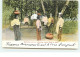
x: 17, y: 32
x: 38, y: 34
x: 60, y: 33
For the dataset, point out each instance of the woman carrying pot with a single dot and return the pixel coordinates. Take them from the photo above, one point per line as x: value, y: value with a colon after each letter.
x: 16, y: 24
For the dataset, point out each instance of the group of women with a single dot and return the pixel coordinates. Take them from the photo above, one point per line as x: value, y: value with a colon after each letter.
x: 38, y: 21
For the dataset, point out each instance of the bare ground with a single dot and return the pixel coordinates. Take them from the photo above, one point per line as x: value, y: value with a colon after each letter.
x: 30, y: 35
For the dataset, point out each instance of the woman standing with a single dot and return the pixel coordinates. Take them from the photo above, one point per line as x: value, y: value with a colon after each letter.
x: 38, y: 28
x: 50, y: 23
x: 16, y: 23
x: 59, y: 26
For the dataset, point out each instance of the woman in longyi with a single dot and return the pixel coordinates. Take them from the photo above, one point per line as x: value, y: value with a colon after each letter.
x: 16, y: 23
x: 59, y: 26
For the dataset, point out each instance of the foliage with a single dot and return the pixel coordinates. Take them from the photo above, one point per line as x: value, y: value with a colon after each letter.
x: 6, y: 13
x: 30, y: 6
x: 70, y: 27
x: 72, y: 10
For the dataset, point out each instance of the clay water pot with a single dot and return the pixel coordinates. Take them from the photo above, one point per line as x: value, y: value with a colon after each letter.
x: 16, y: 12
x: 49, y: 36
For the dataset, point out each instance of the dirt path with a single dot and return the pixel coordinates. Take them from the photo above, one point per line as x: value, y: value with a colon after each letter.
x: 30, y: 35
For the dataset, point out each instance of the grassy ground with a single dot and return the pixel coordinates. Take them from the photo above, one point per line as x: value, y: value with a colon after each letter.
x: 70, y: 27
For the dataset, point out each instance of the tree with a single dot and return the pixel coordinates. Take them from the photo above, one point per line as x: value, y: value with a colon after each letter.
x: 64, y: 8
x: 43, y: 6
x: 56, y: 13
x: 68, y: 8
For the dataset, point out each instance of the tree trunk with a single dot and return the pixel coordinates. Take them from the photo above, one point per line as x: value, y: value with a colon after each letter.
x: 35, y: 4
x: 56, y: 16
x: 64, y: 8
x: 21, y: 10
x: 43, y: 6
x: 26, y: 7
x: 56, y: 13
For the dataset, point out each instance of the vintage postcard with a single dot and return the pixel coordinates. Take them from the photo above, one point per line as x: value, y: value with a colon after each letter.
x: 40, y: 24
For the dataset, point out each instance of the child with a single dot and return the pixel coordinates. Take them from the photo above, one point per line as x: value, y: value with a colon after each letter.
x: 26, y: 20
